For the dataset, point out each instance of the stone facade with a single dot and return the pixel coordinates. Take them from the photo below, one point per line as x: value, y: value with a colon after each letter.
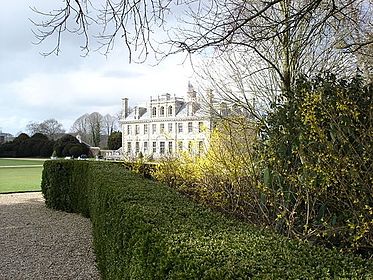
x: 167, y: 125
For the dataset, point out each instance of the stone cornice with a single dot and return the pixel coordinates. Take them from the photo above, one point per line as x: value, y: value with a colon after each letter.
x: 165, y: 119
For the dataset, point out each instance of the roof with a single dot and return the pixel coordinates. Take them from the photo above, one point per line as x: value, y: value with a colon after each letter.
x: 181, y: 113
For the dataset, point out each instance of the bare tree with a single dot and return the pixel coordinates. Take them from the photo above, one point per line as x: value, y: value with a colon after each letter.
x: 262, y: 58
x: 89, y: 127
x: 253, y: 50
x: 51, y: 128
x: 80, y: 126
x: 95, y: 121
x: 109, y: 123
x: 262, y: 45
x: 204, y: 23
x: 32, y: 127
x: 365, y: 60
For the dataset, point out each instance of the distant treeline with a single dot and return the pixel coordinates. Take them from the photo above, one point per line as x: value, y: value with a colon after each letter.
x: 39, y: 145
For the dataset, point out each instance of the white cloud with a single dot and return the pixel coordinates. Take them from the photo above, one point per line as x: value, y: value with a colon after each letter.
x: 35, y: 88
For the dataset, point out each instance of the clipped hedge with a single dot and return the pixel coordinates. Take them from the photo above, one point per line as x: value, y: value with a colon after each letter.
x: 144, y: 230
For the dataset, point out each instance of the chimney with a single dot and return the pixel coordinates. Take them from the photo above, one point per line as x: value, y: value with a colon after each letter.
x: 191, y: 100
x: 125, y: 107
x: 191, y: 94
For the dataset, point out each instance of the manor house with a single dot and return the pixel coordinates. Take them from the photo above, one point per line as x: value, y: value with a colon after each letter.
x: 166, y: 125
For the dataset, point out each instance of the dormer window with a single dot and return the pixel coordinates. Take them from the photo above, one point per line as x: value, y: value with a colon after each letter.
x: 170, y: 110
x: 161, y: 113
x: 154, y: 111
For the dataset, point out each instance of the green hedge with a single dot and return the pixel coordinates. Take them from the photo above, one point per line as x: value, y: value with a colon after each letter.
x: 144, y: 230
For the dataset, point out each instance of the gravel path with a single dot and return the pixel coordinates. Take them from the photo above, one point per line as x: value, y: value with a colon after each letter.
x: 39, y: 243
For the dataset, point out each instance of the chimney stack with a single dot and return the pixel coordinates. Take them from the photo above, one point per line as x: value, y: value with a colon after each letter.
x: 210, y: 100
x: 125, y: 107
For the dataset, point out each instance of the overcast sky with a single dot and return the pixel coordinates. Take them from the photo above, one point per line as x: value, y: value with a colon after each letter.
x: 34, y: 88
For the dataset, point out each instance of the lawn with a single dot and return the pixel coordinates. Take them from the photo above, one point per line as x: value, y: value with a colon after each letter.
x: 16, y: 162
x: 18, y: 175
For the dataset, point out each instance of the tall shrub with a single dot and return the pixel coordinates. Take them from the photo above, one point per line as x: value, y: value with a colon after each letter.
x: 308, y: 173
x: 115, y: 140
x: 317, y: 161
x: 24, y: 146
x: 226, y: 175
x: 68, y: 145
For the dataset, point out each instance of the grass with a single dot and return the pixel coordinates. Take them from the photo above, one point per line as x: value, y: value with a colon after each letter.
x: 16, y: 162
x: 19, y: 175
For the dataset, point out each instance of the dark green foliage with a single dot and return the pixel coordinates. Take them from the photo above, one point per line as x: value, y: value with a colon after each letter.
x: 68, y: 145
x: 66, y: 149
x: 62, y: 142
x: 20, y: 138
x: 115, y: 140
x: 47, y: 149
x: 24, y: 146
x: 77, y: 150
x: 24, y: 149
x: 8, y: 149
x: 59, y: 186
x: 144, y: 230
x: 39, y: 136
